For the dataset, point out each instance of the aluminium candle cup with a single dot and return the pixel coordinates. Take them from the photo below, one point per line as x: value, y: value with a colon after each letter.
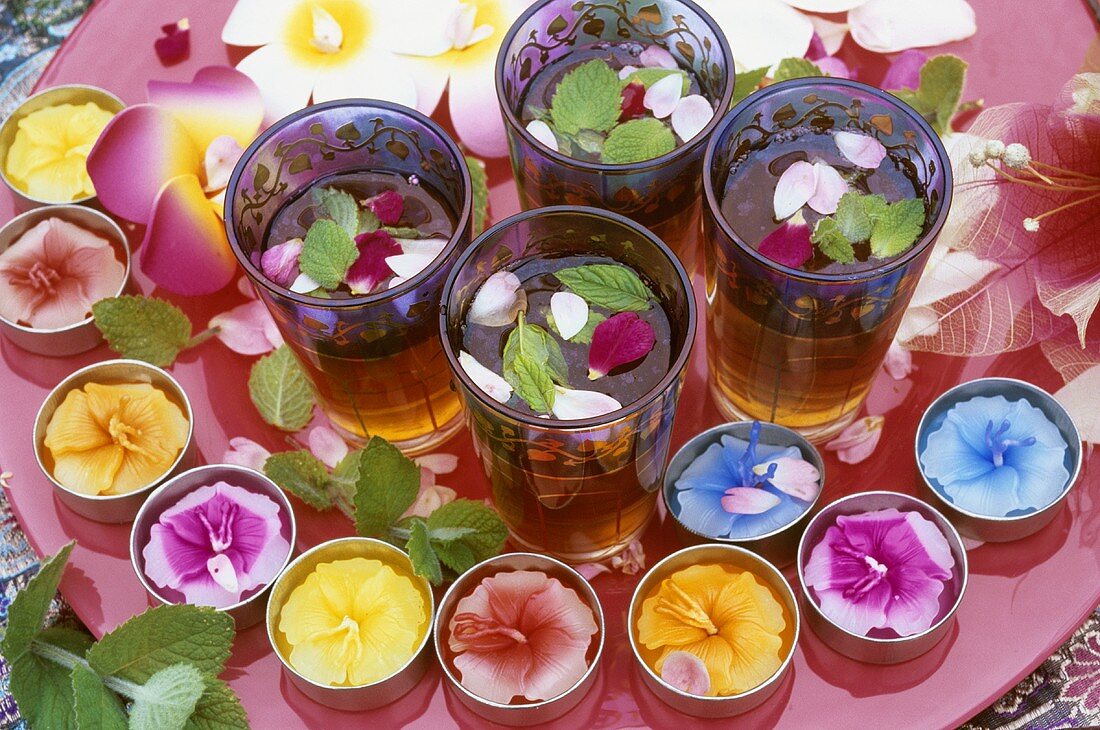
x: 779, y: 545
x: 990, y: 528
x: 113, y: 508
x: 361, y: 697
x: 248, y: 611
x: 81, y: 336
x: 67, y: 94
x: 529, y: 713
x: 734, y: 557
x: 874, y: 650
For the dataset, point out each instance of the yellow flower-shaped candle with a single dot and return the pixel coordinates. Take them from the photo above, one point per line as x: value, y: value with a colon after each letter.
x: 47, y: 157
x: 114, y: 439
x: 353, y: 622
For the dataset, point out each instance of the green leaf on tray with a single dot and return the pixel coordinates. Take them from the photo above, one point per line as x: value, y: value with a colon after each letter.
x: 610, y: 286
x: 280, y: 391
x: 747, y: 82
x: 218, y: 709
x: 588, y: 97
x: 828, y: 237
x: 425, y: 561
x: 940, y: 91
x: 638, y: 140
x: 43, y: 688
x: 340, y: 206
x: 143, y: 328
x: 897, y: 228
x: 303, y: 475
x: 28, y: 609
x: 479, y: 185
x: 95, y: 707
x: 167, y: 699
x: 387, y: 486
x: 465, y: 532
x: 531, y: 382
x: 796, y: 68
x: 649, y: 76
x: 327, y: 253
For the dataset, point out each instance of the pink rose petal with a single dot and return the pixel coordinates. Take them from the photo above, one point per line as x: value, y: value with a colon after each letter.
x: 834, y: 66
x: 794, y: 189
x: 662, y: 97
x: 858, y: 441
x: 789, y: 244
x: 570, y: 313
x: 656, y: 57
x: 303, y: 284
x: 748, y: 500
x: 904, y: 71
x: 570, y: 405
x: 862, y: 149
x: 280, y: 263
x: 489, y: 382
x: 686, y: 672
x: 438, y: 463
x: 221, y: 157
x: 431, y: 497
x: 248, y: 329
x: 618, y: 340
x: 371, y: 269
x: 633, y: 102
x: 175, y: 45
x: 327, y: 445
x: 246, y: 452
x: 690, y: 116
x: 388, y: 206
x: 794, y: 476
x: 885, y: 26
x: 829, y: 189
x: 499, y: 301
x: 219, y: 100
x: 625, y: 71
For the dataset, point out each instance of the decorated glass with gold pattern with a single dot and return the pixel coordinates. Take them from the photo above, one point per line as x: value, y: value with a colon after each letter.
x: 368, y: 338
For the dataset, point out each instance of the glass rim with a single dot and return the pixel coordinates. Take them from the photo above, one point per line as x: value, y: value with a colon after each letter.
x: 714, y: 205
x: 600, y: 167
x: 675, y: 370
x: 463, y: 222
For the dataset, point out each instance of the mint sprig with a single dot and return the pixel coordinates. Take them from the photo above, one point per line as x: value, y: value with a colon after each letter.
x: 280, y: 390
x: 532, y: 362
x: 889, y: 228
x: 649, y: 76
x: 938, y: 96
x: 145, y: 328
x: 328, y: 252
x: 588, y: 97
x: 796, y: 68
x: 341, y: 207
x: 636, y: 141
x: 611, y: 286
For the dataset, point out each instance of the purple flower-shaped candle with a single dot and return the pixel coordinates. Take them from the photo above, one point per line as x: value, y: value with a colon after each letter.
x: 217, y: 545
x: 881, y: 570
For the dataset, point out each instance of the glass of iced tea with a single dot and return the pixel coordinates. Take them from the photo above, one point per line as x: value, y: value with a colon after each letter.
x: 823, y: 200
x: 595, y: 116
x: 568, y: 330
x: 347, y: 217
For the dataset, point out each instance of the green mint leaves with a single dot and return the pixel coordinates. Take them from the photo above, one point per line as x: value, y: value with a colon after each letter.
x: 479, y: 184
x: 328, y: 252
x: 584, y: 337
x: 303, y: 475
x: 636, y: 141
x: 796, y: 68
x: 280, y: 390
x: 747, y: 82
x: 144, y: 328
x: 388, y: 482
x: 164, y: 663
x: 649, y: 76
x: 341, y: 207
x: 533, y: 362
x: 890, y: 228
x: 610, y: 286
x: 897, y: 227
x: 937, y: 98
x: 588, y: 97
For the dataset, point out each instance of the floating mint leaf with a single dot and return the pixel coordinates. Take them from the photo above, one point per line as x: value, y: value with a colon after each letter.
x: 832, y: 242
x: 537, y: 344
x: 531, y: 382
x: 612, y: 286
x: 328, y: 252
x: 303, y: 475
x: 636, y: 141
x: 747, y: 82
x: 340, y: 206
x: 619, y: 340
x: 425, y: 562
x: 143, y: 328
x: 584, y: 337
x: 853, y: 215
x: 479, y: 185
x: 937, y: 98
x: 387, y: 485
x: 368, y: 222
x: 280, y: 391
x: 796, y: 68
x: 95, y: 706
x: 465, y: 532
x: 649, y: 76
x: 167, y: 699
x: 588, y: 97
x: 42, y: 687
x: 897, y: 228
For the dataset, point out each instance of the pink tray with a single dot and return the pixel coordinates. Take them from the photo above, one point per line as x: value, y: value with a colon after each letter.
x: 1024, y: 599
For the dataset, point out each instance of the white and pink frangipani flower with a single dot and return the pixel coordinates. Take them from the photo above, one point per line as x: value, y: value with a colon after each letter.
x: 160, y: 165
x: 761, y: 32
x: 248, y: 329
x: 886, y: 26
x: 859, y: 440
x: 825, y: 6
x: 818, y: 185
x: 330, y: 49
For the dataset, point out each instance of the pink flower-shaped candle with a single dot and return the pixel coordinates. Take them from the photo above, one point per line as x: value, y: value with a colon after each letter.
x: 217, y: 545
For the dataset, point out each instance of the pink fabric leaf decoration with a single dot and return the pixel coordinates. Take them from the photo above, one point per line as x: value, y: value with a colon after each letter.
x: 175, y: 43
x: 748, y: 501
x: 858, y: 441
x: 794, y: 189
x: 248, y: 329
x: 662, y: 97
x: 789, y: 244
x: 246, y: 452
x: 280, y: 263
x: 498, y: 301
x: 327, y: 445
x: 829, y: 188
x: 904, y: 70
x: 656, y: 57
x: 686, y: 672
x: 794, y: 476
x: 690, y: 116
x: 862, y: 149
x: 371, y: 269
x: 387, y: 205
x: 618, y: 340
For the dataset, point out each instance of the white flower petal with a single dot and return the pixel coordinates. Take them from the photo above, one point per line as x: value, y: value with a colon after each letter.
x: 304, y: 285
x: 222, y: 571
x: 825, y: 6
x: 490, y: 383
x: 396, y: 282
x: 220, y: 159
x: 438, y: 463
x: 257, y: 22
x: 327, y: 445
x: 885, y: 26
x: 285, y: 84
x: 761, y: 32
x: 541, y: 131
x: 363, y: 76
x: 246, y: 452
x: 899, y: 361
x: 794, y: 189
x: 570, y: 405
x: 661, y: 98
x: 499, y: 300
x: 570, y: 313
x: 690, y: 116
x: 656, y: 57
x: 832, y: 34
x: 408, y: 265
x: 328, y: 36
x: 862, y: 149
x: 422, y: 246
x: 829, y: 189
x: 625, y: 71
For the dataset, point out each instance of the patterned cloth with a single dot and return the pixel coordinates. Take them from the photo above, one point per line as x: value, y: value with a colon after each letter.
x: 1064, y: 692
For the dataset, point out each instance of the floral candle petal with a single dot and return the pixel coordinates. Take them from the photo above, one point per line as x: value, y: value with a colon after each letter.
x: 748, y: 500
x: 792, y: 475
x: 619, y: 340
x: 686, y: 672
x: 47, y: 157
x: 498, y: 301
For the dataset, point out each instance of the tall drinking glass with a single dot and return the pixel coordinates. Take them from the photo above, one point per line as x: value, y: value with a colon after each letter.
x: 579, y: 490
x: 374, y: 361
x: 796, y: 347
x: 662, y: 194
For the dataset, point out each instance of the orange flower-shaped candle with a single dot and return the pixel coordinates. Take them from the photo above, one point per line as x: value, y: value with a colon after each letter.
x: 47, y: 157
x: 727, y: 618
x: 353, y: 622
x: 114, y: 439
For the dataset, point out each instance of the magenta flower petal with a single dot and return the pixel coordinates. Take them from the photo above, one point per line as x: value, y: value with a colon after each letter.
x: 833, y: 66
x: 619, y: 340
x: 789, y: 244
x: 371, y: 269
x: 175, y: 45
x: 280, y: 263
x: 748, y: 501
x: 904, y: 71
x: 388, y: 206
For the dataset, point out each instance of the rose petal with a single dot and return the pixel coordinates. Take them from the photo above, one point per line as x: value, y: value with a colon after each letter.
x: 904, y: 71
x: 175, y: 45
x: 372, y: 267
x: 438, y: 463
x: 408, y: 265
x: 280, y: 263
x: 662, y: 97
x: 656, y: 57
x: 789, y: 244
x: 825, y: 6
x: 899, y: 361
x: 248, y: 329
x: 690, y: 116
x: 862, y: 149
x: 748, y: 500
x: 833, y: 66
x: 618, y: 340
x: 794, y: 189
x: 303, y: 284
x: 430, y: 498
x: 829, y: 189
x: 572, y: 405
x: 686, y: 672
x: 499, y: 301
x: 327, y: 445
x: 858, y: 441
x: 221, y: 157
x: 570, y: 313
x: 885, y: 26
x: 246, y: 452
x: 592, y: 570
x: 793, y: 475
x: 422, y: 246
x: 541, y: 131
x: 490, y: 383
x: 830, y: 33
x: 387, y: 205
x: 218, y: 101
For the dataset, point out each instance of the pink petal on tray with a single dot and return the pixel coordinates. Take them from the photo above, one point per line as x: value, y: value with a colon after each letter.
x: 327, y: 445
x: 858, y: 441
x: 248, y: 329
x: 175, y: 45
x: 619, y: 340
x: 246, y: 452
x: 862, y: 149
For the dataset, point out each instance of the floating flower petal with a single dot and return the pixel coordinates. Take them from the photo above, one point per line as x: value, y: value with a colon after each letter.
x: 576, y: 404
x: 655, y: 56
x: 499, y: 301
x: 248, y: 329
x: 789, y: 244
x: 372, y: 267
x: 387, y: 205
x: 862, y: 149
x: 619, y: 340
x: 489, y: 382
x: 691, y: 115
x: 858, y: 441
x: 794, y: 189
x: 408, y: 265
x: 541, y: 131
x: 829, y: 188
x: 280, y: 262
x: 662, y: 96
x: 570, y: 313
x: 303, y: 284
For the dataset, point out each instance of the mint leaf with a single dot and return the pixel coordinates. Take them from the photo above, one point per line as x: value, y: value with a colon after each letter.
x: 327, y: 253
x: 832, y: 242
x: 853, y: 216
x: 796, y: 68
x: 649, y: 76
x: 41, y: 687
x: 368, y: 221
x: 340, y: 206
x: 897, y: 228
x: 403, y: 232
x: 347, y: 471
x: 588, y: 97
x: 143, y: 328
x: 303, y: 475
x: 28, y: 609
x: 747, y: 82
x: 218, y: 709
x: 531, y: 382
x: 167, y: 699
x: 540, y: 346
x: 636, y: 141
x: 479, y: 185
x: 280, y: 391
x: 424, y: 560
x: 612, y: 286
x: 584, y: 337
x: 388, y: 484
x: 94, y: 706
x: 937, y: 98
x: 163, y: 636
x: 483, y: 537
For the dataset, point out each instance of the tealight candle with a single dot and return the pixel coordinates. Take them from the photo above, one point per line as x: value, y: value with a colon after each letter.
x: 46, y: 158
